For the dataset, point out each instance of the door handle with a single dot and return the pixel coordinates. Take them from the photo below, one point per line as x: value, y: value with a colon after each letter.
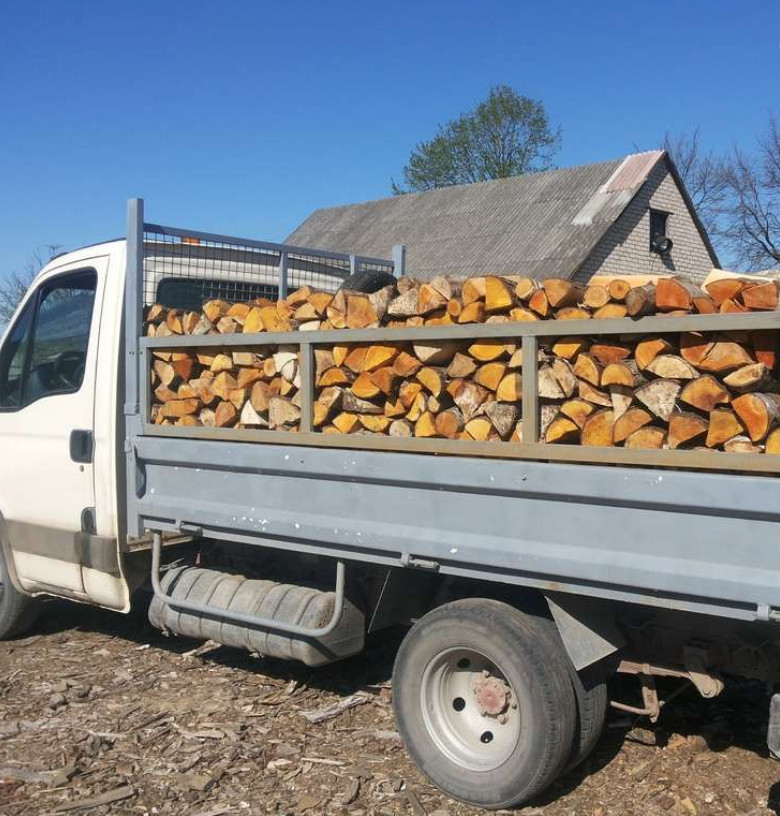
x: 82, y: 446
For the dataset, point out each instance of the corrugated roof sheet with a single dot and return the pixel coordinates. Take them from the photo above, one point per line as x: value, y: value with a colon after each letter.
x: 541, y: 224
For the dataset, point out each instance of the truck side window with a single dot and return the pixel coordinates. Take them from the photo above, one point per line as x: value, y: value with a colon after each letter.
x: 12, y: 358
x: 49, y: 355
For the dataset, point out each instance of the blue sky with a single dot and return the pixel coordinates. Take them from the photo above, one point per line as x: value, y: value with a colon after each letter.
x: 243, y: 117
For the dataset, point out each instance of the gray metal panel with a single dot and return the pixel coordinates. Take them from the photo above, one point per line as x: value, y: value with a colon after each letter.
x: 683, y: 540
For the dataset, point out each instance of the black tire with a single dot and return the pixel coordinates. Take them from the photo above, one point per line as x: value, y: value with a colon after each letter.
x: 18, y: 612
x: 533, y: 665
x: 368, y: 281
x: 590, y: 691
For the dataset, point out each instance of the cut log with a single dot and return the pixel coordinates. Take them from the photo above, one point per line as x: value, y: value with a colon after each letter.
x: 633, y: 419
x: 490, y: 375
x: 502, y: 416
x: 704, y: 393
x: 569, y: 347
x: 364, y: 386
x: 405, y: 365
x: 282, y: 412
x: 595, y: 297
x: 223, y: 384
x: 622, y: 398
x: 672, y: 294
x: 640, y: 301
x: 647, y: 438
x: 374, y: 424
x: 591, y: 394
x: 672, y: 367
x: 461, y: 367
x: 404, y: 305
x: 724, y: 289
x: 469, y: 397
x: 694, y: 347
x: 758, y: 413
x: 548, y: 386
x: 573, y: 313
x: 430, y: 379
x: 474, y: 289
x: 565, y: 376
x: 562, y: 430
x: 385, y: 379
x: 430, y: 299
x: 686, y: 428
x: 360, y: 312
x: 355, y: 361
x: 522, y: 315
x: 617, y: 374
x: 723, y: 425
x: 772, y: 444
x: 618, y: 289
x: 378, y: 356
x: 611, y: 311
x: 407, y: 393
x: 346, y: 423
x: 472, y: 313
x: 435, y: 354
x: 609, y: 352
x: 214, y: 309
x: 487, y: 350
x: 659, y: 396
x: 723, y: 356
x: 748, y: 378
x: 524, y: 289
x: 478, y: 428
x: 225, y: 415
x: 251, y: 418
x: 577, y: 410
x: 449, y: 423
x: 760, y: 296
x: 327, y: 403
x: 510, y: 388
x: 498, y: 294
x: 356, y: 405
x: 180, y: 407
x: 586, y: 368
x: 598, y: 429
x: 562, y: 292
x: 400, y: 429
x: 741, y: 444
x: 538, y: 303
x: 333, y: 376
x: 647, y: 350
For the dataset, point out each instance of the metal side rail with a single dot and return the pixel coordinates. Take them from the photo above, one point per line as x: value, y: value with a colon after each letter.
x: 239, y: 617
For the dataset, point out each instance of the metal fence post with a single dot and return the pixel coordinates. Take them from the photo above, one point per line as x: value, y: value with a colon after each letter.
x: 282, y: 275
x: 353, y: 264
x: 399, y: 260
x: 134, y: 275
x: 530, y: 404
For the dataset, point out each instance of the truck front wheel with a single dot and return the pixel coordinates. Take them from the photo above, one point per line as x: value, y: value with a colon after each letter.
x: 17, y: 612
x: 484, y: 702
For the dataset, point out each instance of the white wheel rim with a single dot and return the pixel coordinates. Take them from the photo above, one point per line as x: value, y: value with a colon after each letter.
x: 470, y: 709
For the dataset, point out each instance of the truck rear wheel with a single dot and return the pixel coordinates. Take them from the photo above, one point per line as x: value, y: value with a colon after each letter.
x: 17, y: 612
x: 484, y: 702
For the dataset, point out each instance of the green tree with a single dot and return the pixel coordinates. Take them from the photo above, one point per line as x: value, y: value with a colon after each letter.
x: 505, y: 135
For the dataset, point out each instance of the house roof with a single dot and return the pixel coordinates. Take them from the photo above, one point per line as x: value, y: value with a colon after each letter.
x: 540, y: 224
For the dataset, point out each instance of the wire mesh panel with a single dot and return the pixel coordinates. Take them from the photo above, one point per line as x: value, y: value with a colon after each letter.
x: 185, y: 269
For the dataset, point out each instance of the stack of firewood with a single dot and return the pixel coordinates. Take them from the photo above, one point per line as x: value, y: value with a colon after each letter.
x: 713, y: 390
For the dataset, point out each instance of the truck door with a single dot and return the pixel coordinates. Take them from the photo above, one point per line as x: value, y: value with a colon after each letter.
x: 47, y: 396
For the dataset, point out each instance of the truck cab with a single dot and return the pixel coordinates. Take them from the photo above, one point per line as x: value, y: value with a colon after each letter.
x: 61, y: 431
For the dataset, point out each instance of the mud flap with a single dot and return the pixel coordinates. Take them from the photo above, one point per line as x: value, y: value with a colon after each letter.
x: 773, y: 730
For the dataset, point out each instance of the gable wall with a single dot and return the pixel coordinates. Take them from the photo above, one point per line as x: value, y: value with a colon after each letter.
x: 625, y: 249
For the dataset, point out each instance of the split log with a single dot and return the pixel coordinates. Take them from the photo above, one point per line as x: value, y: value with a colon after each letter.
x: 672, y: 367
x: 672, y: 294
x: 586, y: 368
x: 632, y: 420
x: 647, y: 350
x: 449, y: 423
x: 694, y: 347
x: 478, y: 429
x: 772, y: 444
x: 608, y: 352
x: 587, y: 392
x: 510, y: 389
x: 765, y: 344
x: 577, y: 410
x: 474, y: 289
x: 524, y: 289
x: 611, y: 311
x: 647, y: 438
x: 686, y: 428
x: 562, y: 292
x: 569, y: 347
x: 355, y: 405
x: 573, y: 313
x: 498, y: 294
x: 562, y: 429
x: 723, y: 356
x: 659, y: 396
x: 503, y: 417
x: 538, y: 303
x: 490, y: 375
x: 565, y: 376
x: 723, y: 425
x: 617, y: 374
x: 741, y: 444
x: 548, y: 386
x: 724, y: 289
x: 598, y: 429
x: 472, y: 313
x: 748, y: 378
x: 758, y: 413
x: 704, y: 393
x: 622, y: 398
x: 760, y: 296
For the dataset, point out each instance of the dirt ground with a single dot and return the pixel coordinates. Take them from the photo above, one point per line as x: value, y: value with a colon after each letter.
x: 101, y: 714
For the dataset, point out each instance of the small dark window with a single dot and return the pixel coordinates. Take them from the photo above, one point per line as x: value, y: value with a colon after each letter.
x: 46, y: 351
x: 191, y: 293
x: 658, y: 220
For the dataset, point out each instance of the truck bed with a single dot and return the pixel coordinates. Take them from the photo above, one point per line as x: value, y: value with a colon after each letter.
x: 705, y: 542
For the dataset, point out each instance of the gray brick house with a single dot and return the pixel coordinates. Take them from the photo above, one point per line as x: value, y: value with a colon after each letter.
x: 574, y: 223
